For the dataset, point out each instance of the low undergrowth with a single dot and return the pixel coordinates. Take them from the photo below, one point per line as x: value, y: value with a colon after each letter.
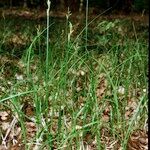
x: 85, y: 93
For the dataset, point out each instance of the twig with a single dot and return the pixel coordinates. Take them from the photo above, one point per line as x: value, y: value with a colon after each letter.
x: 14, y: 121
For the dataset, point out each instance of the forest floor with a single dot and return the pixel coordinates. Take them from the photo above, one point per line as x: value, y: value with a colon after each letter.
x: 86, y: 92
x: 40, y: 14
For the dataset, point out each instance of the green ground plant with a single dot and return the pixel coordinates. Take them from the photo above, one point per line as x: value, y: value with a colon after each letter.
x: 77, y: 92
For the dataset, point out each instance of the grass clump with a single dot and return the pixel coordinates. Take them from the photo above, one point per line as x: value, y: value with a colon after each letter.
x: 70, y: 98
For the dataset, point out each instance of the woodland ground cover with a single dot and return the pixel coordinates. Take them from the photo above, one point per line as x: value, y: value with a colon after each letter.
x: 88, y: 90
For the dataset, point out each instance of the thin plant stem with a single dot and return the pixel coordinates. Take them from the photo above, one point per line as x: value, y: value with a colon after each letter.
x: 86, y: 29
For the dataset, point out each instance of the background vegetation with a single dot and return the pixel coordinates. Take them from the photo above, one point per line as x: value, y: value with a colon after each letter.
x: 74, y: 4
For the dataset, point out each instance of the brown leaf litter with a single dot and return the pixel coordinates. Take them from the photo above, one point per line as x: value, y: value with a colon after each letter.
x: 138, y: 140
x: 102, y: 86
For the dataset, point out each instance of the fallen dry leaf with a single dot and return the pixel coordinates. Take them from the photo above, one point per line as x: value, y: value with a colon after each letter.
x: 138, y: 141
x: 130, y: 108
x: 2, y: 147
x: 31, y: 129
x: 5, y: 125
x: 101, y: 88
x: 4, y: 115
x: 105, y: 118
